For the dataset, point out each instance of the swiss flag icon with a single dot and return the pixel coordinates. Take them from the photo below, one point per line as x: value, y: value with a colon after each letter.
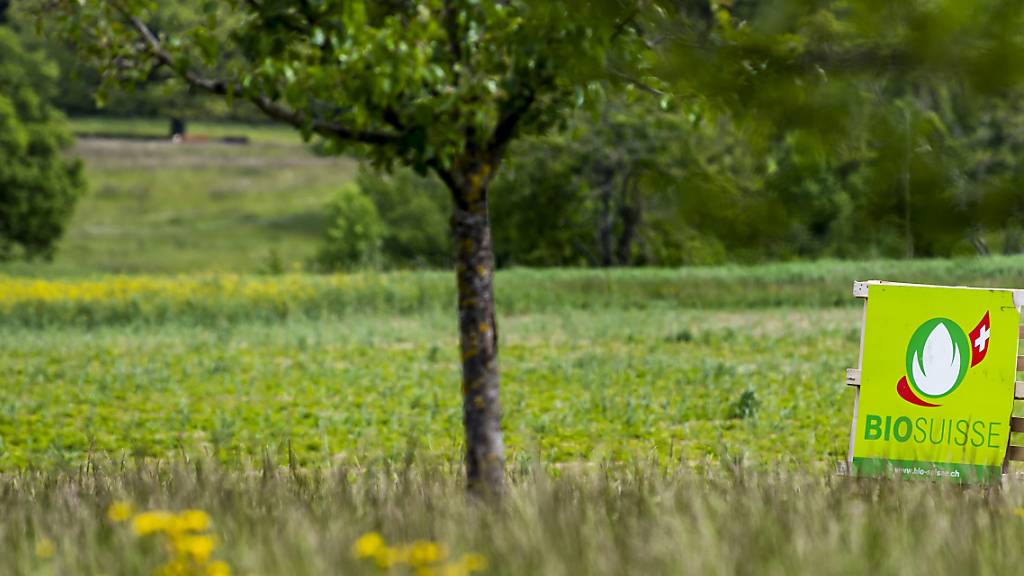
x: 979, y: 340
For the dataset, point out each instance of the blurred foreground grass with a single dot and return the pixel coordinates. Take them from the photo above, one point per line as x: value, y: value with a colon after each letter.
x: 603, y: 520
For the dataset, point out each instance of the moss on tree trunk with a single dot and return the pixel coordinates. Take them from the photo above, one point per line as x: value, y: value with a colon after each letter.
x: 478, y: 330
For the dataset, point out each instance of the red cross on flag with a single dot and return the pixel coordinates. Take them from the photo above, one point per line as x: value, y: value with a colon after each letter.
x: 979, y: 340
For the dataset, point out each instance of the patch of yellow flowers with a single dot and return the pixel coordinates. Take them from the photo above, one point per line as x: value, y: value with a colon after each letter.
x: 184, y: 534
x: 18, y: 290
x: 422, y: 558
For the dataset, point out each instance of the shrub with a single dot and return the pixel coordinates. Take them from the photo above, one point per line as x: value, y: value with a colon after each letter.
x: 38, y: 185
x: 354, y: 233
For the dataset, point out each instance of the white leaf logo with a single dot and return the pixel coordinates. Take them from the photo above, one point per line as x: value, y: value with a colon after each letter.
x: 936, y: 357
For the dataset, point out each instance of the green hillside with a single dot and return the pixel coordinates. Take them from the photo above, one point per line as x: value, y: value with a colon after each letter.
x: 157, y: 206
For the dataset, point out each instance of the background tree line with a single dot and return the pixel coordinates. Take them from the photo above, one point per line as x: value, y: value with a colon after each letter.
x: 924, y: 171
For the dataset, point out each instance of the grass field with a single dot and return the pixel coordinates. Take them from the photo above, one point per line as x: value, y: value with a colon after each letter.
x: 687, y: 366
x: 658, y: 421
x: 622, y: 385
x: 264, y: 133
x: 157, y: 207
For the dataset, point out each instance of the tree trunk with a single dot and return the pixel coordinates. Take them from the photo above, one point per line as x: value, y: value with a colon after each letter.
x: 478, y: 331
x: 630, y: 216
x: 605, y: 220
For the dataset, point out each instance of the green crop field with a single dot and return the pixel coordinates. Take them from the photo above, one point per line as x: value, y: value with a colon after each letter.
x: 690, y: 386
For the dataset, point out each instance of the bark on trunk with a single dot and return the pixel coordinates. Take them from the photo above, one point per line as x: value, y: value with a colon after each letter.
x: 630, y: 216
x: 478, y: 331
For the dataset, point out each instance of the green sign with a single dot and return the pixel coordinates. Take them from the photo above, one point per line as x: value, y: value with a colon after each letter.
x: 936, y: 383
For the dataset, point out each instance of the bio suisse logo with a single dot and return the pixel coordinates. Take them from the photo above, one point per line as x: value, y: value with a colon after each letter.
x: 937, y: 359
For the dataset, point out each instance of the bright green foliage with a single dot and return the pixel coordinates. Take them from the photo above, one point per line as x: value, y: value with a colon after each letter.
x: 354, y: 232
x: 422, y: 83
x: 82, y: 89
x: 38, y: 184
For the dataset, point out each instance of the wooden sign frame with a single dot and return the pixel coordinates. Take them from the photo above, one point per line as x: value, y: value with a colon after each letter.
x: 1014, y: 452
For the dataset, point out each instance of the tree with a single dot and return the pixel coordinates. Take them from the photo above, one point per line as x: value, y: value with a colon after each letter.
x: 439, y: 85
x: 38, y: 185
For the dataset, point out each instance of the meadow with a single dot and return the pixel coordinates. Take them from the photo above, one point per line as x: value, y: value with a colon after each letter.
x: 658, y: 422
x: 687, y: 367
x: 170, y: 404
x: 160, y: 207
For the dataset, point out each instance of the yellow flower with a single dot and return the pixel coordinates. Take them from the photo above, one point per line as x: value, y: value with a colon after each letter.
x: 424, y: 552
x: 119, y: 511
x: 45, y: 548
x: 193, y: 521
x: 367, y: 545
x: 218, y: 568
x: 151, y: 522
x: 1019, y: 511
x: 198, y: 548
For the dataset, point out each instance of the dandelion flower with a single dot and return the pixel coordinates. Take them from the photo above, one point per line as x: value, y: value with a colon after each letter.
x: 152, y: 522
x: 198, y: 548
x: 424, y: 552
x: 193, y: 521
x: 119, y: 511
x: 367, y: 545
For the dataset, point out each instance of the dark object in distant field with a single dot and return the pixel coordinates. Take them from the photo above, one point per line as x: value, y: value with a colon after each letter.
x: 178, y: 128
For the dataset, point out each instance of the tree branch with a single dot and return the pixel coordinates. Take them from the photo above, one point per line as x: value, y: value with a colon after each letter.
x: 637, y: 82
x: 506, y: 128
x: 268, y: 106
